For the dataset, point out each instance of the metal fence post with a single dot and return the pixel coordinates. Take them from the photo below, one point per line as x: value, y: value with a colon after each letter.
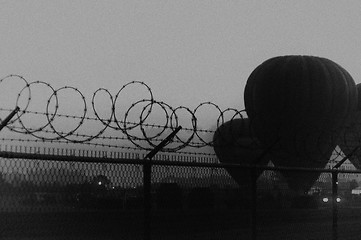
x: 8, y: 118
x: 334, y: 205
x: 147, y: 177
x: 253, y: 204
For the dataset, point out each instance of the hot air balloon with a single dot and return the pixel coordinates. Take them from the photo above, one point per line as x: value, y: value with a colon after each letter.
x: 300, y: 105
x: 234, y: 142
x: 350, y: 141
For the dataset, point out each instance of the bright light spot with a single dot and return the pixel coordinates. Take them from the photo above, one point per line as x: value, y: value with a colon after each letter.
x: 99, y: 183
x: 338, y: 199
x: 325, y: 199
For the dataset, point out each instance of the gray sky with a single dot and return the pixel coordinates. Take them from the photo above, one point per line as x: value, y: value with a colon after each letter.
x: 188, y: 52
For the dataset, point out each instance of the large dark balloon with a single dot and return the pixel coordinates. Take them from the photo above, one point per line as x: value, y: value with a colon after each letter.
x: 234, y: 142
x: 300, y: 105
x: 351, y: 137
x: 302, y: 181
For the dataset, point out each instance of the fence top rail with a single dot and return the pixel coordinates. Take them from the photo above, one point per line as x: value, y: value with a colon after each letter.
x: 62, y: 158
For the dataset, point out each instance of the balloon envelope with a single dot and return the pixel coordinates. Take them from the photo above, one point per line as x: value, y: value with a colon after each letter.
x: 301, y: 181
x: 351, y: 137
x: 234, y: 142
x: 300, y: 104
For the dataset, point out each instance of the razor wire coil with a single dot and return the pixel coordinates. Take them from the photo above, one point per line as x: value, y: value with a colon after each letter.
x: 136, y: 132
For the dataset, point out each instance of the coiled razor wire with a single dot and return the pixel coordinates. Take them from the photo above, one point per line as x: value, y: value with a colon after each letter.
x: 117, y: 118
x: 154, y: 119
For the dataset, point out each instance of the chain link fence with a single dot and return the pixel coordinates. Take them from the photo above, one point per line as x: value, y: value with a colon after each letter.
x: 46, y: 196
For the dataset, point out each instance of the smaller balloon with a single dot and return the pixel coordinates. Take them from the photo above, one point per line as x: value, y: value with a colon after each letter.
x: 234, y: 142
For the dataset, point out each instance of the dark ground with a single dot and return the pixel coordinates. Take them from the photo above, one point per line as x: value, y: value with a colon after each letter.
x: 92, y: 224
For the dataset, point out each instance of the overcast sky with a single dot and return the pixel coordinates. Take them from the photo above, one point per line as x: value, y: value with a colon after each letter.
x: 188, y: 52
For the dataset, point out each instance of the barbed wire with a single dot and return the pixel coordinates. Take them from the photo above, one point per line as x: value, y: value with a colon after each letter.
x: 101, y: 137
x: 143, y: 131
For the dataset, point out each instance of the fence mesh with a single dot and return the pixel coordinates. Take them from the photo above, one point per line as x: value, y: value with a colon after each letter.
x: 70, y: 200
x: 43, y: 199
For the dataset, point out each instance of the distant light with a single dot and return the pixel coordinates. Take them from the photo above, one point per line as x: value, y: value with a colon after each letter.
x: 99, y: 183
x: 325, y: 199
x: 338, y: 199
